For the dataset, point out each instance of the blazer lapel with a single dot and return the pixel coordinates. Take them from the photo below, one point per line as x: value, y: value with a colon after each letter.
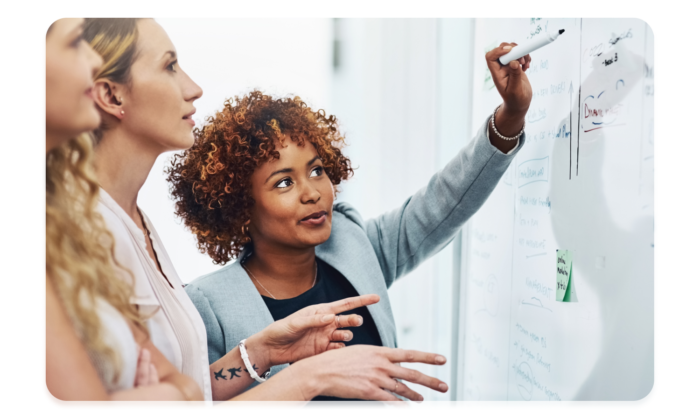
x: 349, y: 251
x: 249, y: 313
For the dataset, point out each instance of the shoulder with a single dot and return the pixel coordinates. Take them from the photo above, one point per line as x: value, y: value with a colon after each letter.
x: 204, y: 286
x: 347, y: 211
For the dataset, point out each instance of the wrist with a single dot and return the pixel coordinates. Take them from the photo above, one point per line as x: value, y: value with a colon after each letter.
x: 307, y: 379
x: 258, y: 352
x: 509, y: 122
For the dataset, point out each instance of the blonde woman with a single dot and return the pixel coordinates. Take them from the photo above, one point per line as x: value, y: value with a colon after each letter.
x: 93, y: 333
x: 146, y: 102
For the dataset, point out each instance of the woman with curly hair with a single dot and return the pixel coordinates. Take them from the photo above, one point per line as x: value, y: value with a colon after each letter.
x: 93, y: 333
x: 259, y: 185
x: 146, y: 102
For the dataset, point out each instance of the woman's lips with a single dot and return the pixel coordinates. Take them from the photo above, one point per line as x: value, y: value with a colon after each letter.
x: 315, y: 219
x: 189, y: 120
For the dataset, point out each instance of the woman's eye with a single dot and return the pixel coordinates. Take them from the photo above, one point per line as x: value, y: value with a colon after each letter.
x: 317, y: 171
x: 171, y: 66
x: 76, y: 42
x: 284, y: 183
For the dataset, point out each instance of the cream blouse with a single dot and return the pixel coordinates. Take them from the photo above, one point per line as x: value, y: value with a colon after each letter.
x: 176, y: 328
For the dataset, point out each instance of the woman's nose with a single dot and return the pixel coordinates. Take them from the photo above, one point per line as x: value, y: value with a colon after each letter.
x: 310, y: 193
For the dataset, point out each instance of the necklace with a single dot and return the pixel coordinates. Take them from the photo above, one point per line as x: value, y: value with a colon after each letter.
x: 265, y: 288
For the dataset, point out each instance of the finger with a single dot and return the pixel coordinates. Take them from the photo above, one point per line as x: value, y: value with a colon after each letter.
x: 302, y: 323
x: 417, y: 377
x: 399, y: 388
x: 142, y: 369
x: 413, y: 356
x: 382, y: 395
x: 153, y: 373
x: 515, y: 74
x: 341, y: 335
x: 352, y: 303
x: 335, y: 346
x: 493, y: 55
x: 345, y: 321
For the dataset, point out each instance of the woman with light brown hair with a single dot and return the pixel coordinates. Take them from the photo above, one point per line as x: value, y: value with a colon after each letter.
x: 146, y: 102
x: 93, y: 333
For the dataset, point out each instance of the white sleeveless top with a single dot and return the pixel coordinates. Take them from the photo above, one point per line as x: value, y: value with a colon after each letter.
x: 176, y: 328
x: 117, y: 335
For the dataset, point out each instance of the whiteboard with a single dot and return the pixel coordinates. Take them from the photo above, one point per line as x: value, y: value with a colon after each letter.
x: 584, y: 183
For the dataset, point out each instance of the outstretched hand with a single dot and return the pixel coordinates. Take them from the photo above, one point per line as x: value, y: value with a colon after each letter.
x: 312, y: 330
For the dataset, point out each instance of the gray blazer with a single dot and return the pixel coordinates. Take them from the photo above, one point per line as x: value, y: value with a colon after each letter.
x: 370, y: 254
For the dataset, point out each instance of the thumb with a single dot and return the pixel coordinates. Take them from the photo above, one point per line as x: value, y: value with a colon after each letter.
x: 515, y: 77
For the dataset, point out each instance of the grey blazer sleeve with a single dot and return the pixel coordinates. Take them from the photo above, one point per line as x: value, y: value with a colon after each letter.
x: 427, y: 221
x: 215, y: 336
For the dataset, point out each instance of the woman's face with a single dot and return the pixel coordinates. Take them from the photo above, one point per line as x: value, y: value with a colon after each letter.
x: 293, y: 199
x: 70, y: 67
x: 158, y: 103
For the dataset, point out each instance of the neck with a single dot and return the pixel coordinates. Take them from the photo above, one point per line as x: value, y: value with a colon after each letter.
x: 48, y: 142
x: 123, y: 163
x: 285, y: 272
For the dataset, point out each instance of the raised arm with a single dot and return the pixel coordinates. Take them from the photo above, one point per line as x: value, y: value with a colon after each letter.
x: 427, y: 221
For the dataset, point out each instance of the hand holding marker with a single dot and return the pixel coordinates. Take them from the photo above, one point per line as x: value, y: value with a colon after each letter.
x: 525, y: 49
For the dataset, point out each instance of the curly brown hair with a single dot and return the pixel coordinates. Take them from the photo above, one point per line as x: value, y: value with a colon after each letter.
x: 210, y: 183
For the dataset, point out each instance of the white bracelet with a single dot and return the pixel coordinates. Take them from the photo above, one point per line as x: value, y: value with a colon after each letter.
x: 253, y: 374
x: 493, y: 125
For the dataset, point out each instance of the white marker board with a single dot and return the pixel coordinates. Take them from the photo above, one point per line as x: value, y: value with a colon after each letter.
x: 583, y: 183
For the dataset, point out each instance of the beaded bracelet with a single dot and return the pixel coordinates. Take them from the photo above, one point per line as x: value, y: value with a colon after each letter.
x: 493, y: 124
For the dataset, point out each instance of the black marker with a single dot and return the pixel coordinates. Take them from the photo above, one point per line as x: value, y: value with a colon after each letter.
x: 522, y: 50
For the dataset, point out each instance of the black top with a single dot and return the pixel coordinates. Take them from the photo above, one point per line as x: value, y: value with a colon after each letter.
x: 330, y: 286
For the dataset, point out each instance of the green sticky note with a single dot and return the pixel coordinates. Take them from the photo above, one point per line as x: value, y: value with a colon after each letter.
x: 564, y: 272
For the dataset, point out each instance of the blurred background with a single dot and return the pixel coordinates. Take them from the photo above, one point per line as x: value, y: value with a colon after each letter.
x: 401, y: 91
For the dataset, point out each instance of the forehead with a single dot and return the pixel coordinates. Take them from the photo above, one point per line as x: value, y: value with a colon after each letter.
x: 292, y: 153
x: 292, y: 156
x: 64, y: 27
x: 153, y: 41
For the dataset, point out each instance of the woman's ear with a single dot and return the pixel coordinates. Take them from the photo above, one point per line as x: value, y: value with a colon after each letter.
x: 106, y: 96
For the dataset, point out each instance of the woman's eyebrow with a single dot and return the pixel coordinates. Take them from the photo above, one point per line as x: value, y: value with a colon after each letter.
x: 287, y: 170
x: 172, y: 53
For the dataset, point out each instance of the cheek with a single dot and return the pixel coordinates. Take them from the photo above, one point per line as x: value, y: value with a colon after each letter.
x: 68, y: 108
x: 155, y: 112
x: 275, y: 213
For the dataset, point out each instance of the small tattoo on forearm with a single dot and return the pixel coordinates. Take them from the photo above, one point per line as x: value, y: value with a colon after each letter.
x: 219, y: 374
x: 233, y: 371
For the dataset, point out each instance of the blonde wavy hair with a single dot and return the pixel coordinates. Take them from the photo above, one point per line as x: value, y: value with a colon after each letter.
x: 80, y: 259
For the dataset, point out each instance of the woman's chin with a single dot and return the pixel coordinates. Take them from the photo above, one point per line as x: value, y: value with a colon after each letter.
x: 317, y: 238
x: 184, y: 142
